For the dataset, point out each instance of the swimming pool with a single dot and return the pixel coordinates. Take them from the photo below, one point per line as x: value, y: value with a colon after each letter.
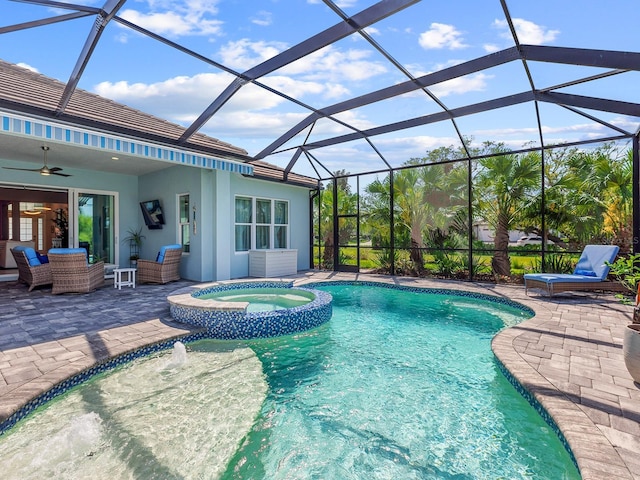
x: 397, y: 385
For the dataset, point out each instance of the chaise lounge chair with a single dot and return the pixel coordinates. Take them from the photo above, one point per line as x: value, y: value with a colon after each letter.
x: 165, y: 268
x: 30, y: 269
x: 590, y: 273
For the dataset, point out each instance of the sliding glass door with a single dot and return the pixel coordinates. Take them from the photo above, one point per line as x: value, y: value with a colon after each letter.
x: 95, y: 222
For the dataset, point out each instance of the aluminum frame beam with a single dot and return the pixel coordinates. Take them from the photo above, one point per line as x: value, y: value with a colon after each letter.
x: 105, y: 15
x: 612, y: 106
x: 369, y: 16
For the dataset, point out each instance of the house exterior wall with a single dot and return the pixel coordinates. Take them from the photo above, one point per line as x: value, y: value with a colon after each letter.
x: 212, y: 256
x: 299, y: 221
x: 126, y: 186
x: 212, y: 192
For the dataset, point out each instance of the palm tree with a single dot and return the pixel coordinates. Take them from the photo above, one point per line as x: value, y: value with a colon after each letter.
x: 505, y: 186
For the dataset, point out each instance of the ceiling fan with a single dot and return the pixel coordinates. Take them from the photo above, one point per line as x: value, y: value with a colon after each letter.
x: 44, y: 170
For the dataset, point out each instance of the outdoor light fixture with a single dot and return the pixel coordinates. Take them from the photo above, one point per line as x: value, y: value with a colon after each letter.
x: 45, y: 169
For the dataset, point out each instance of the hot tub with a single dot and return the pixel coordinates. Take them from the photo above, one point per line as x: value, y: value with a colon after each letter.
x: 247, y: 310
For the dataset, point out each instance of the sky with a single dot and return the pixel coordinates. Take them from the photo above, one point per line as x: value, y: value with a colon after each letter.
x: 428, y: 36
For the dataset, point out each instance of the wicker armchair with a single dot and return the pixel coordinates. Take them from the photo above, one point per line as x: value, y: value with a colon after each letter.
x: 30, y: 270
x: 164, y: 269
x: 72, y: 273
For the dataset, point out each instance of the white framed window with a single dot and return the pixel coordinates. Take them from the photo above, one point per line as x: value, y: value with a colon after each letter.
x: 261, y: 223
x: 184, y: 224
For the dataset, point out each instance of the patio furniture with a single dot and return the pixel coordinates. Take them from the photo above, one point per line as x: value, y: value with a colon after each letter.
x: 71, y: 273
x: 164, y: 269
x: 30, y: 268
x: 126, y: 280
x: 590, y: 273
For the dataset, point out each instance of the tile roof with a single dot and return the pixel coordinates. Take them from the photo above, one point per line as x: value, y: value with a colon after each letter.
x: 29, y: 92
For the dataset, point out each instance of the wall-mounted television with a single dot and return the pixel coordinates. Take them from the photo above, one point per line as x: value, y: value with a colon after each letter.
x: 152, y: 213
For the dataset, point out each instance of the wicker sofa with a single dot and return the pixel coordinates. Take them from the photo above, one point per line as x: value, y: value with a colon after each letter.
x: 71, y: 273
x: 30, y: 269
x: 165, y: 268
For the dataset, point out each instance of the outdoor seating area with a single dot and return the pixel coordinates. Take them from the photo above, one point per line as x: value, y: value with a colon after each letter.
x: 589, y: 274
x: 30, y: 269
x: 165, y: 268
x: 67, y: 270
x: 71, y: 273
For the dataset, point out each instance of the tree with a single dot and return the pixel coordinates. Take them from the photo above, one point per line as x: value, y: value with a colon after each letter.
x: 505, y: 186
x: 346, y: 203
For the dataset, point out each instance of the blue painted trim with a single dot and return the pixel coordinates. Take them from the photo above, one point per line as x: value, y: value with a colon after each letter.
x: 14, y: 124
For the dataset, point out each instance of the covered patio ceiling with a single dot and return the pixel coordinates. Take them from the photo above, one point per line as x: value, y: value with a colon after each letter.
x: 406, y: 98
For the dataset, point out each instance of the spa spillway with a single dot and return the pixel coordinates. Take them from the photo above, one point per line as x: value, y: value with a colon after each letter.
x: 246, y: 310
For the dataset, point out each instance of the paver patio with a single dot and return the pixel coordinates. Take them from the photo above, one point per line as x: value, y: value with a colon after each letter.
x: 569, y: 356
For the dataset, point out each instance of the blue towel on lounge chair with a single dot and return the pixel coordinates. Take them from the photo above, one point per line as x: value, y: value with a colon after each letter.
x: 591, y: 268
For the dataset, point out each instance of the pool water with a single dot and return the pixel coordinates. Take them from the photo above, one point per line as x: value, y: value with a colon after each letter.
x: 398, y: 385
x: 263, y: 299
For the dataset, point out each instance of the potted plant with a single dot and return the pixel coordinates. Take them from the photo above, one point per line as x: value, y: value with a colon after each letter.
x: 134, y: 238
x: 627, y: 272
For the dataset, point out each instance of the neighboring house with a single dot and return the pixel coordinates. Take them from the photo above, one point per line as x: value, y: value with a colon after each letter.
x: 212, y: 202
x: 485, y: 233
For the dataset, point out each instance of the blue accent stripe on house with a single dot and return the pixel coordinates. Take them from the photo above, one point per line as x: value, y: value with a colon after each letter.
x: 29, y: 127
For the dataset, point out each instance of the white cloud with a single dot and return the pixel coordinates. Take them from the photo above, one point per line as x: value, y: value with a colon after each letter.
x: 262, y: 18
x: 441, y: 36
x: 491, y: 47
x: 292, y: 87
x: 177, y: 18
x: 332, y: 64
x: 415, y: 146
x: 328, y: 64
x: 335, y: 90
x: 373, y: 31
x: 475, y: 82
x: 244, y: 54
x: 181, y: 99
x: 469, y: 83
x: 528, y: 32
x: 28, y: 67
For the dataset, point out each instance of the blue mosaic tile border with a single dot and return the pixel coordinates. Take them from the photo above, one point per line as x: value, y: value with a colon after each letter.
x: 510, y: 378
x: 85, y: 375
x: 241, y: 325
x: 528, y: 396
x: 76, y: 380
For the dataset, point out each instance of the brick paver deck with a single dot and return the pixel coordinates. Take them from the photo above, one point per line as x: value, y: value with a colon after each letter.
x: 569, y: 356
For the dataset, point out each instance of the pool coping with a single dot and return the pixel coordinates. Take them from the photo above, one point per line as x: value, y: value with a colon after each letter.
x: 597, y: 409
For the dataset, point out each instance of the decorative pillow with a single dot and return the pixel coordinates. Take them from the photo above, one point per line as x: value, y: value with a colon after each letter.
x: 163, y: 250
x: 43, y: 258
x: 32, y: 257
x: 585, y: 273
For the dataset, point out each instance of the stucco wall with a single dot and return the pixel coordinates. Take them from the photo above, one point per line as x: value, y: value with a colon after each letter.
x: 212, y: 255
x: 298, y: 218
x: 126, y: 187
